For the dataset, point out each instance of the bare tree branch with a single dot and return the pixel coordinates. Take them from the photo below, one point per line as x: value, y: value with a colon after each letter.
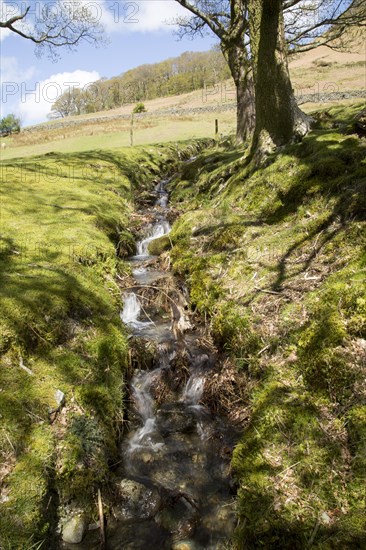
x: 321, y: 23
x: 61, y: 25
x: 213, y: 23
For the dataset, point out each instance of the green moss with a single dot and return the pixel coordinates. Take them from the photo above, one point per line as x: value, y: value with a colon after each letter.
x: 281, y: 461
x: 83, y: 457
x: 126, y: 245
x: 336, y: 314
x: 235, y: 333
x: 357, y: 434
x: 328, y: 167
x: 205, y: 292
x: 23, y: 516
x: 274, y: 256
x: 158, y: 246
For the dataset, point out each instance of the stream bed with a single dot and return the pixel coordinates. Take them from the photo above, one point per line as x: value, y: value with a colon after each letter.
x: 173, y: 486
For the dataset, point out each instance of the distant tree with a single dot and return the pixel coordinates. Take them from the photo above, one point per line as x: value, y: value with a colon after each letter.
x: 98, y: 96
x: 139, y: 108
x: 55, y: 24
x: 116, y: 95
x: 9, y: 125
x: 309, y: 25
x: 190, y: 71
x: 53, y: 115
x: 69, y: 103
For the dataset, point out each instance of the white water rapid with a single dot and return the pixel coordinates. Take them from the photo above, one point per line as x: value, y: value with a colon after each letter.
x: 158, y: 230
x: 143, y: 438
x: 194, y: 389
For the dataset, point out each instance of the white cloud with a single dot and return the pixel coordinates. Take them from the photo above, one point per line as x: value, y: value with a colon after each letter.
x: 12, y: 79
x: 4, y: 33
x: 37, y: 99
x: 139, y: 15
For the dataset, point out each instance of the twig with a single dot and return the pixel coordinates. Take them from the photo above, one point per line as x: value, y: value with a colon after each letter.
x: 268, y: 291
x: 288, y: 468
x: 143, y: 309
x: 38, y: 335
x: 101, y: 521
x: 10, y: 443
x: 22, y: 366
x: 153, y: 288
x: 34, y: 415
x: 314, y: 533
x: 264, y: 349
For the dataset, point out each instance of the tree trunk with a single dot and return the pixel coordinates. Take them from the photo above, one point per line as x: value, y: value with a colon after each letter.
x: 245, y: 109
x: 278, y: 118
x: 235, y: 56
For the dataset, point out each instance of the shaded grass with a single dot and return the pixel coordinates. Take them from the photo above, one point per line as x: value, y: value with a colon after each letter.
x: 275, y: 256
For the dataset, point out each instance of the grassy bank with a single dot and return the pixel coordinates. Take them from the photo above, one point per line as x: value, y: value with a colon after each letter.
x: 275, y: 257
x: 65, y: 228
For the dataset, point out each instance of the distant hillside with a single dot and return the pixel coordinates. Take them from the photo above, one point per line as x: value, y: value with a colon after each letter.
x: 178, y: 75
x: 327, y: 69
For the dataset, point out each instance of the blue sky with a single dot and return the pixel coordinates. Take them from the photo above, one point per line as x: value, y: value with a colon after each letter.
x: 137, y: 32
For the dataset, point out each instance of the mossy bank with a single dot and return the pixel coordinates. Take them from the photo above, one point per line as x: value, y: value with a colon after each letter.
x: 66, y: 225
x: 275, y: 259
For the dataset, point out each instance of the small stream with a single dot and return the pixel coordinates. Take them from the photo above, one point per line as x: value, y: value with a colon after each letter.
x: 176, y: 454
x: 173, y: 488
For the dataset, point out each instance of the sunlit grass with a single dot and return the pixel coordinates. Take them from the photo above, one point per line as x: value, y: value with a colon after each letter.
x: 159, y: 130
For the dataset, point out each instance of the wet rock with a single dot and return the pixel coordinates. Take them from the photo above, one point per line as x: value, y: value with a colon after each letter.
x: 136, y: 501
x: 175, y: 418
x: 221, y: 520
x: 74, y: 529
x: 142, y: 535
x: 184, y: 545
x: 178, y: 520
x: 166, y: 477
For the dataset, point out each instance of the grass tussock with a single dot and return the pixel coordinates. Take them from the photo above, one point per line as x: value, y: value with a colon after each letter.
x: 275, y: 256
x: 65, y: 228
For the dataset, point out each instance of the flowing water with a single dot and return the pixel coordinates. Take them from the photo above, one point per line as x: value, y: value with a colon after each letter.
x: 175, y: 448
x: 174, y: 485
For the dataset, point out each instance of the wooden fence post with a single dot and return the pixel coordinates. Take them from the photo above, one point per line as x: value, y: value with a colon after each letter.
x: 131, y: 130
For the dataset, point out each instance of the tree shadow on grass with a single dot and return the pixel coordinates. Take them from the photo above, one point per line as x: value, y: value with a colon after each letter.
x: 285, y: 426
x: 40, y: 301
x: 337, y: 176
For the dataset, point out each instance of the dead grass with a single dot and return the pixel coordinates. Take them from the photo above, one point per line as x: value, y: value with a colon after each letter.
x: 226, y: 393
